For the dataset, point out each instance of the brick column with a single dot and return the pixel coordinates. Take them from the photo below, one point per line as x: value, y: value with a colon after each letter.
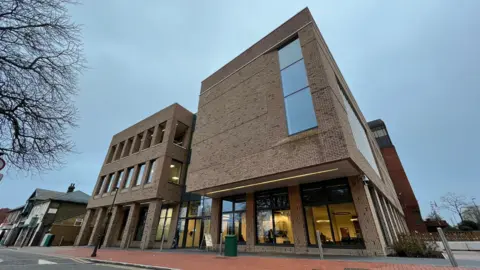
x: 112, y: 225
x: 215, y: 221
x: 367, y: 218
x: 389, y: 218
x: 250, y: 213
x: 151, y: 224
x: 130, y: 225
x: 82, y: 237
x: 298, y: 219
x: 382, y: 217
x: 97, y: 227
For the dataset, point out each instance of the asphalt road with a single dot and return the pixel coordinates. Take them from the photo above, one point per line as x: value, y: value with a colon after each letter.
x: 15, y: 260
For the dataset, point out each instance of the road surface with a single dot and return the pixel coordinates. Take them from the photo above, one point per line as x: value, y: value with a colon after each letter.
x: 16, y: 260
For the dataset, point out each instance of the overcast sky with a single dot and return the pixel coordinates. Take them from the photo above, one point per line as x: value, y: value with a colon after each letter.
x: 415, y: 65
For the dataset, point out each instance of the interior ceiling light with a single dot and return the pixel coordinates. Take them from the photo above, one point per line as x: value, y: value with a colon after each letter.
x: 272, y: 181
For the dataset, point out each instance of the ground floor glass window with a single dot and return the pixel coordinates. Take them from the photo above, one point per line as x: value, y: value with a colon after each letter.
x: 164, y: 224
x: 274, y: 223
x: 234, y: 218
x: 329, y: 209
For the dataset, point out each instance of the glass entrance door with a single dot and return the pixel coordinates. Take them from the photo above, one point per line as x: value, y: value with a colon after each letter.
x: 193, y: 233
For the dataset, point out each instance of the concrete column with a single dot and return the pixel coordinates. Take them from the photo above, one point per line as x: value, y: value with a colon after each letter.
x: 389, y: 218
x: 395, y: 220
x: 250, y: 212
x: 113, y: 224
x: 151, y: 224
x: 298, y: 219
x: 98, y: 226
x: 382, y: 217
x: 367, y: 217
x: 404, y: 222
x: 215, y: 220
x: 130, y: 225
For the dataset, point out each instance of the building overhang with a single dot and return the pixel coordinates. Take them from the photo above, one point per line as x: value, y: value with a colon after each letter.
x: 327, y: 171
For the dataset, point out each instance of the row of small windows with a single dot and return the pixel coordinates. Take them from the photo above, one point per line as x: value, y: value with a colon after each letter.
x: 136, y: 175
x: 146, y: 139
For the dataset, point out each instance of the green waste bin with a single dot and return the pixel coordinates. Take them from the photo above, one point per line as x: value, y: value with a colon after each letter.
x: 47, y: 240
x: 231, y: 245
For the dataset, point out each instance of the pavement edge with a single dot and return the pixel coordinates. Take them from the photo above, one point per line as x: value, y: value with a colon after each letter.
x: 129, y: 264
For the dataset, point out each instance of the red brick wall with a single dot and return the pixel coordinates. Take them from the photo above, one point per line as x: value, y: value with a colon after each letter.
x: 404, y: 190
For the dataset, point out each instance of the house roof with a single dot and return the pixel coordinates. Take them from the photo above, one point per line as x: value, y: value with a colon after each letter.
x: 16, y: 209
x: 75, y: 197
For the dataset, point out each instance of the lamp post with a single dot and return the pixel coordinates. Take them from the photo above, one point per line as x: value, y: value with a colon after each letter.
x: 100, y: 237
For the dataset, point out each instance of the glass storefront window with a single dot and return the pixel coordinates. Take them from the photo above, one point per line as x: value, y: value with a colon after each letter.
x: 345, y: 224
x: 274, y: 224
x: 264, y: 227
x: 332, y: 213
x: 318, y: 220
x: 207, y: 206
x: 164, y: 224
x: 194, y: 209
x: 183, y: 209
x: 234, y: 218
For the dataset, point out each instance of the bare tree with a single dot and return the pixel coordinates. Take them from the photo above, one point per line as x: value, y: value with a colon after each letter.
x: 454, y: 203
x: 40, y: 60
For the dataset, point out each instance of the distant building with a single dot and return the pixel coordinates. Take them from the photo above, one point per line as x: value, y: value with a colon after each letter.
x: 43, y: 208
x: 432, y: 225
x: 399, y: 178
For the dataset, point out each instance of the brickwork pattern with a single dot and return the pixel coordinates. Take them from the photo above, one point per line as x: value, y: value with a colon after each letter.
x: 367, y: 218
x: 84, y: 234
x: 97, y: 226
x: 151, y: 224
x: 130, y: 225
x: 113, y: 225
x: 298, y: 219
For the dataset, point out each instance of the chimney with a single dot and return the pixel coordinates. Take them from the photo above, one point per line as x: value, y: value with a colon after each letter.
x: 71, y: 188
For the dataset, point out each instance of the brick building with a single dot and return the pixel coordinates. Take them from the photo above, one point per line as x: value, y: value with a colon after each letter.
x: 280, y: 150
x: 404, y: 190
x: 146, y: 163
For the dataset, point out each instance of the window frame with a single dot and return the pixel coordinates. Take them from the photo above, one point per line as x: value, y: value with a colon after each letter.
x: 306, y: 87
x: 234, y: 200
x: 272, y: 208
x: 327, y: 203
x: 139, y: 178
x: 167, y: 208
x: 149, y: 172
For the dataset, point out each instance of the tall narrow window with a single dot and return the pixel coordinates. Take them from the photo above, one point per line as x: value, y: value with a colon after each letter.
x: 148, y: 138
x: 119, y: 151
x: 126, y: 211
x: 119, y: 179
x: 274, y: 223
x: 161, y: 131
x: 138, y: 142
x: 359, y: 132
x: 111, y: 153
x: 299, y: 109
x: 109, y: 182
x: 234, y: 219
x: 164, y: 224
x: 100, y: 185
x: 180, y: 134
x: 128, y: 178
x: 139, y: 176
x: 128, y: 147
x: 141, y: 223
x: 175, y: 171
x: 151, y: 171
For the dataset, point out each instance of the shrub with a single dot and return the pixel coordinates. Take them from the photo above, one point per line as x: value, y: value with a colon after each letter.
x: 412, y: 246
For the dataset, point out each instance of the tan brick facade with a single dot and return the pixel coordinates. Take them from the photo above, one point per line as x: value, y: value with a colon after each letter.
x: 154, y: 138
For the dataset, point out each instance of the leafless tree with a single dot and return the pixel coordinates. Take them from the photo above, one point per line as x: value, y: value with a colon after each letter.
x: 454, y: 203
x: 40, y: 60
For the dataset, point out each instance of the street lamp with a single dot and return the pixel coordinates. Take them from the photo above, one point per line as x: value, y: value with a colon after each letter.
x: 100, y: 236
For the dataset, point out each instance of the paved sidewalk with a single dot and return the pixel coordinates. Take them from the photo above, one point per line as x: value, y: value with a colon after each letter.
x: 196, y: 260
